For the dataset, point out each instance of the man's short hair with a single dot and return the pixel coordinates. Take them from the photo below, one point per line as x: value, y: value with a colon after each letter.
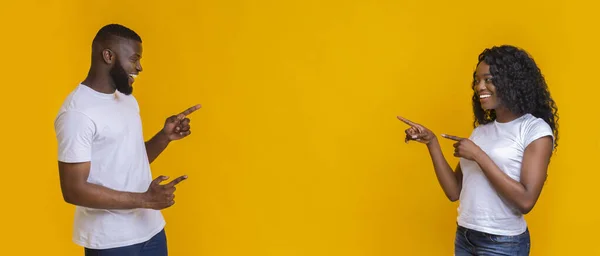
x: 109, y: 32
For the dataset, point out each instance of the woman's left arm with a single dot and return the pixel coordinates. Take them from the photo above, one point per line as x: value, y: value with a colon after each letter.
x: 534, y: 168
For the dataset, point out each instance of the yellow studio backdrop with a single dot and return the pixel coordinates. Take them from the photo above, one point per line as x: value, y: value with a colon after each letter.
x: 297, y: 149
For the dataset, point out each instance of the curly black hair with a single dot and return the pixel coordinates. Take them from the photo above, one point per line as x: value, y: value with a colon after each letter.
x: 520, y: 86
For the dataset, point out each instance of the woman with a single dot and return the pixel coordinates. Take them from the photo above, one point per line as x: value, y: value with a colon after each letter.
x: 503, y: 164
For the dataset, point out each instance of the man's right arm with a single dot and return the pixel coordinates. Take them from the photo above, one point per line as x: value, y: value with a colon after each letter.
x: 76, y: 190
x: 75, y: 134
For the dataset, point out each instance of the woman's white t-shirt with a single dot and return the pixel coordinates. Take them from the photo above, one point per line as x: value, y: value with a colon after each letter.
x: 481, y: 207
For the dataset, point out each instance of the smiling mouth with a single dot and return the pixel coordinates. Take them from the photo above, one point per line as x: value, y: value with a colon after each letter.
x: 485, y: 96
x: 132, y: 76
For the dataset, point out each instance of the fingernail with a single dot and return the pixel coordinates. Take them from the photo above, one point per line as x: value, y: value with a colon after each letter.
x: 414, y: 136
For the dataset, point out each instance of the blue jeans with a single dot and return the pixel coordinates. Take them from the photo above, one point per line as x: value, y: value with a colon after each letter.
x: 469, y: 242
x: 156, y: 246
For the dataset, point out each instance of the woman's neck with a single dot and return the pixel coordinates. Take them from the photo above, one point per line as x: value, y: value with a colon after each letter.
x: 504, y: 115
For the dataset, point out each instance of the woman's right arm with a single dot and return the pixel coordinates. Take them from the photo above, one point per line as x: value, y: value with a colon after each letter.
x: 449, y: 180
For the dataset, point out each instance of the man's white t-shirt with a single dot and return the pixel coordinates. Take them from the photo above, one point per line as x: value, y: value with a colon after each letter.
x: 481, y: 207
x: 106, y: 129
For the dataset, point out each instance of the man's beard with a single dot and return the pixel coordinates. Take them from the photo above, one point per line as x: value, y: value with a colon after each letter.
x: 120, y: 79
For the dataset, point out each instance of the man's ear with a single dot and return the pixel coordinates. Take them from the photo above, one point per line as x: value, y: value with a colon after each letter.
x: 108, y: 56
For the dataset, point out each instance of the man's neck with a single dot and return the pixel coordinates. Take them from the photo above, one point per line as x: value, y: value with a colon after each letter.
x: 99, y: 83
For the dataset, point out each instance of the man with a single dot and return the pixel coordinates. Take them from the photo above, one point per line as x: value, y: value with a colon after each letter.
x: 103, y: 161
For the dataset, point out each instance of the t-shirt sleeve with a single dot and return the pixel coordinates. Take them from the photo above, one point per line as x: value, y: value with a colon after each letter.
x: 536, y: 129
x: 74, y: 133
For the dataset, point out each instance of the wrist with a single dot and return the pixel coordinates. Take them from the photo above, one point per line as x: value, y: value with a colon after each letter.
x: 163, y: 136
x: 433, y: 141
x: 140, y: 200
x: 479, y: 157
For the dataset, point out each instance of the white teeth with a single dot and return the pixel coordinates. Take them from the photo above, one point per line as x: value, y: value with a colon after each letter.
x: 133, y: 76
x: 484, y: 96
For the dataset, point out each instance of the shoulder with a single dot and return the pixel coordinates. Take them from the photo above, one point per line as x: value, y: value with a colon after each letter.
x: 78, y: 102
x: 533, y: 128
x: 72, y: 107
x: 73, y: 119
x: 72, y: 99
x: 79, y: 99
x: 531, y: 123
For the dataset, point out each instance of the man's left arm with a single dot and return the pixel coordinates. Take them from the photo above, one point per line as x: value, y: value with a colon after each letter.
x: 176, y: 127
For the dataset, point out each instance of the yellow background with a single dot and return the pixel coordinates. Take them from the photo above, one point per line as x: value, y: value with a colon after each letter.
x: 297, y: 149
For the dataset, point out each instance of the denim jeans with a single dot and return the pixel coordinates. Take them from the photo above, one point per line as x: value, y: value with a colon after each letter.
x: 470, y: 242
x: 156, y: 246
